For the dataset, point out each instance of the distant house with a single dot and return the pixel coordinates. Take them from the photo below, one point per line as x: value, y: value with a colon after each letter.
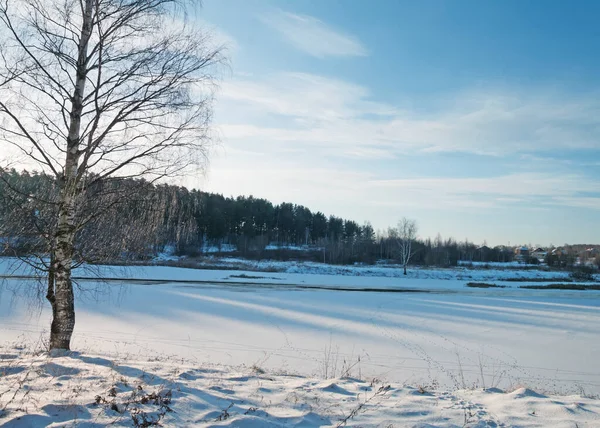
x: 539, y: 253
x: 592, y: 257
x: 522, y: 254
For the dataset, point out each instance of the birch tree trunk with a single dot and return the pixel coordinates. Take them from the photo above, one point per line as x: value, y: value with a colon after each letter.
x: 63, y: 307
x: 63, y: 314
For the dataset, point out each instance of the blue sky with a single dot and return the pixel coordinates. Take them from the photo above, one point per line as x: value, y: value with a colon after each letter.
x: 479, y: 119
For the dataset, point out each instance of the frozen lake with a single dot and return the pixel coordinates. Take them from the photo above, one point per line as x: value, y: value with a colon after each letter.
x: 450, y: 336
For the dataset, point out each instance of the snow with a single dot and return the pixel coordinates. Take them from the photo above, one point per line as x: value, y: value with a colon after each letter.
x: 272, y: 247
x: 283, y: 270
x: 90, y: 390
x: 389, y: 271
x: 307, y: 274
x: 223, y: 248
x: 507, y: 265
x: 168, y: 253
x: 450, y: 340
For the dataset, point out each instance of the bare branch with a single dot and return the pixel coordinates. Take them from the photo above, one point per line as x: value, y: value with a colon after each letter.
x: 108, y: 96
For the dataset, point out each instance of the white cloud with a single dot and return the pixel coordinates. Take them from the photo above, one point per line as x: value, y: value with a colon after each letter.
x: 579, y: 202
x: 337, y: 115
x: 316, y: 181
x: 313, y: 36
x: 505, y: 191
x: 507, y: 188
x: 306, y: 97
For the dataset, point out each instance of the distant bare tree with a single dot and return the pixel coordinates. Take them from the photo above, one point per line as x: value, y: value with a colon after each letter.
x: 405, y: 236
x: 94, y: 92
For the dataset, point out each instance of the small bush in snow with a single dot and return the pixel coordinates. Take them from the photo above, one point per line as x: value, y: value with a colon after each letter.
x: 582, y: 274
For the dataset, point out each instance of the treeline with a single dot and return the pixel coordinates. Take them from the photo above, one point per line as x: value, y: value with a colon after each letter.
x: 143, y: 219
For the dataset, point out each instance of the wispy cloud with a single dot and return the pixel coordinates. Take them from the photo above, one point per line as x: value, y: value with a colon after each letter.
x: 313, y: 36
x: 331, y: 189
x: 510, y: 187
x: 580, y: 202
x: 335, y: 114
x: 306, y: 96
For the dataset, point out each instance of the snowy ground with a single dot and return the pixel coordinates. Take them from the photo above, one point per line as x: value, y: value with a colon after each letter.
x: 94, y: 391
x: 228, y: 269
x: 450, y: 338
x: 471, y: 271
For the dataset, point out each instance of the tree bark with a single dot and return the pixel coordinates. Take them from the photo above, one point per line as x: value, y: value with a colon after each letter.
x: 63, y: 309
x: 51, y: 294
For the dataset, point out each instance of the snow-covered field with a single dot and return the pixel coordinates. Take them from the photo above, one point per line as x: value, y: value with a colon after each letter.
x: 475, y: 271
x: 94, y: 391
x: 450, y: 341
x: 271, y: 271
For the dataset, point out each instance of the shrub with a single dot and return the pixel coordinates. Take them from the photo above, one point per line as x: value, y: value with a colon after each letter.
x: 582, y: 274
x: 484, y: 285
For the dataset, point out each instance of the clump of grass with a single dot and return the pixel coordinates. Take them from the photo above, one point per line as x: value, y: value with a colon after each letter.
x: 522, y: 279
x: 484, y: 285
x: 244, y: 276
x: 582, y: 274
x: 580, y: 287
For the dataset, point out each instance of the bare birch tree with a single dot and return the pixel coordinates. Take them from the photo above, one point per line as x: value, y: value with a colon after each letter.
x: 97, y: 91
x: 405, y: 236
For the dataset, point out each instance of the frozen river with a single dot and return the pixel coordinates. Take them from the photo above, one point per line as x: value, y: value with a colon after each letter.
x: 450, y: 336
